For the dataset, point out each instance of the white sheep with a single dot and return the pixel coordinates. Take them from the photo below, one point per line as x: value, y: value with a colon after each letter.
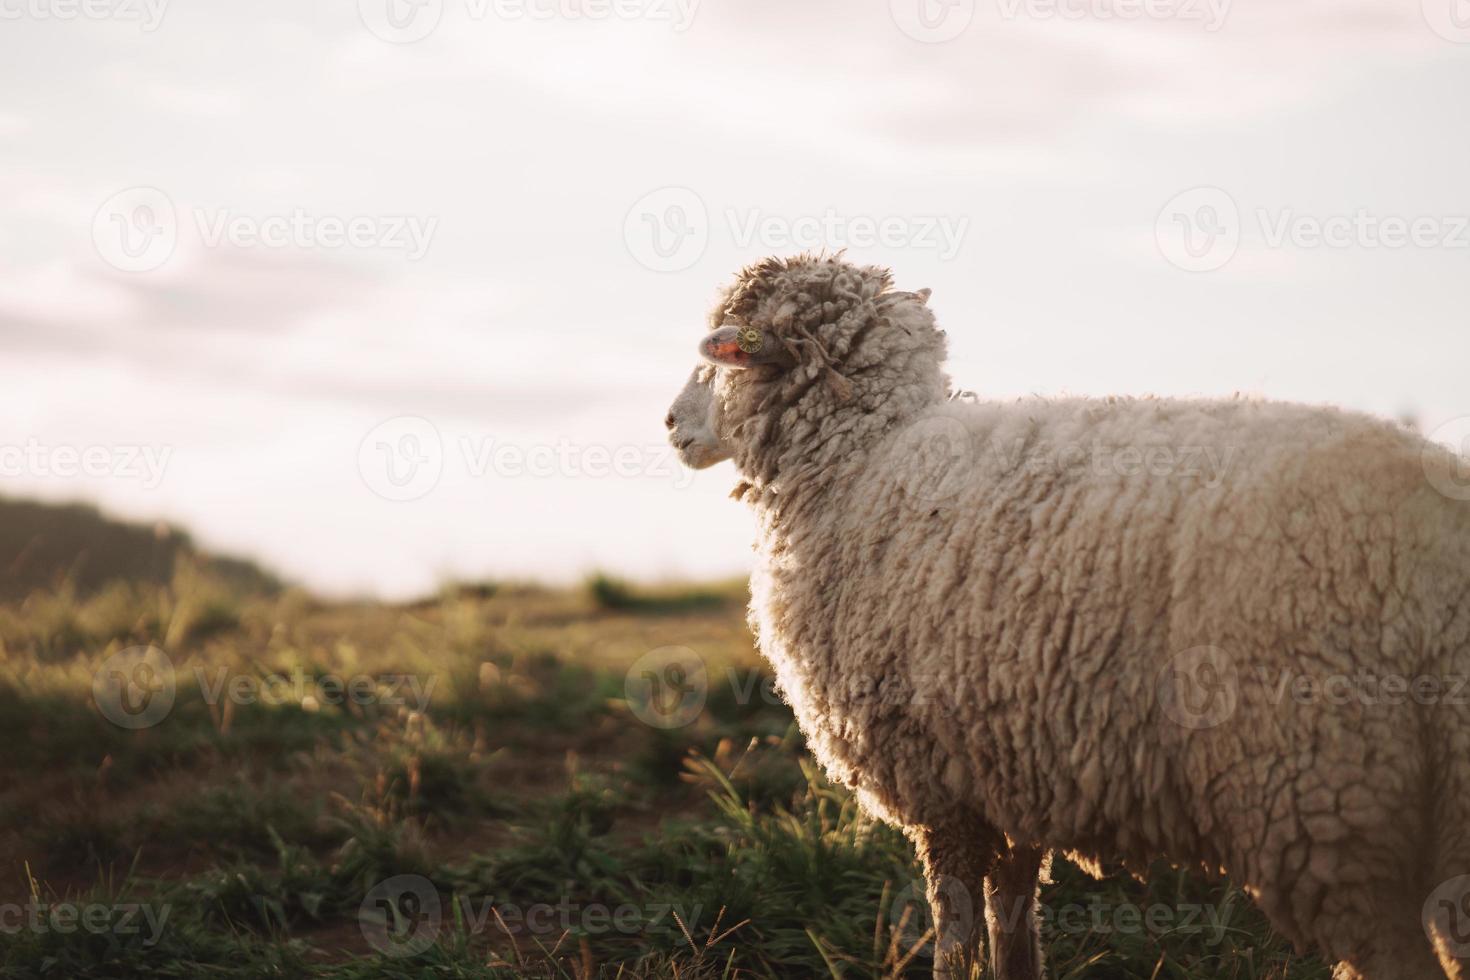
x: 1087, y: 625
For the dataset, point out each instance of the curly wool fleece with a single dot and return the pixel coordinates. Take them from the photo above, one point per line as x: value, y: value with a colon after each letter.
x: 1013, y: 628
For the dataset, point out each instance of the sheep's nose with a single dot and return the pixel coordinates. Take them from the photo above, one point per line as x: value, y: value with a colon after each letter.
x: 669, y: 421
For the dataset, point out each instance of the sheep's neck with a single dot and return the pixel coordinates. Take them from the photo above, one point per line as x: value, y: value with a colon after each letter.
x: 801, y: 464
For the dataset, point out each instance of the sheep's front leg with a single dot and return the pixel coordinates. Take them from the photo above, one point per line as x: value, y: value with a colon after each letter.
x: 1011, y: 913
x: 957, y: 857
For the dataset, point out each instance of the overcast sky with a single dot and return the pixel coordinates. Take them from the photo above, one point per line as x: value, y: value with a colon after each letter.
x: 389, y: 292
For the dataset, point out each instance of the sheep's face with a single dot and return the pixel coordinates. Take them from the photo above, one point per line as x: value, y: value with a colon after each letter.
x: 699, y: 420
x: 694, y: 422
x: 797, y: 332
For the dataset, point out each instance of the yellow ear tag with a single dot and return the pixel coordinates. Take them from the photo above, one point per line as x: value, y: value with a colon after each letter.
x: 750, y: 340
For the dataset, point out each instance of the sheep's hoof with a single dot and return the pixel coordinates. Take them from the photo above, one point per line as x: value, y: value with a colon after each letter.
x: 957, y: 964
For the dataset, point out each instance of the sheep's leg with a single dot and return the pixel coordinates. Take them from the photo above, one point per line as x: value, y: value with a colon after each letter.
x: 1011, y: 913
x: 957, y: 857
x: 1446, y: 911
x: 1382, y: 938
x: 1398, y: 954
x: 1446, y: 917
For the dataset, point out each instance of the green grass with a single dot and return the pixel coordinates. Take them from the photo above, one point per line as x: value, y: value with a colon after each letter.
x: 616, y: 595
x: 561, y: 836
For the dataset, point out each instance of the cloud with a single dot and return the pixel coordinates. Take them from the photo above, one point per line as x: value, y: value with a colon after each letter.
x: 310, y: 329
x: 531, y: 319
x: 826, y: 74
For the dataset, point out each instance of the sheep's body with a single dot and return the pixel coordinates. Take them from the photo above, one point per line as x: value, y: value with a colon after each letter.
x: 1001, y: 629
x: 1083, y: 625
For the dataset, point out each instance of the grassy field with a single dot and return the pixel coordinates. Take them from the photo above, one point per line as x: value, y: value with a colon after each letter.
x: 209, y: 776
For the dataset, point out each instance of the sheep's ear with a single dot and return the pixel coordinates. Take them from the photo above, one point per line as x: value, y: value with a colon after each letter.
x: 921, y: 295
x: 738, y: 347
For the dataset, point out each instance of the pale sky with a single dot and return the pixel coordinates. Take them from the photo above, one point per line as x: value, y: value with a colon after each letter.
x: 264, y: 267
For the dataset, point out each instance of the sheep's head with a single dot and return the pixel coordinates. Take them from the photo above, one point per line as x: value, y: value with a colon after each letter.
x: 799, y: 339
x: 694, y: 423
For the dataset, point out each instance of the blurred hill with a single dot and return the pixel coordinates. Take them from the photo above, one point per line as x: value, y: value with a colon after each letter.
x: 51, y: 546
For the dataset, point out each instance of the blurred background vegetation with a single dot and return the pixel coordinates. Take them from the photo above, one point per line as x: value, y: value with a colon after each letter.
x: 514, y: 775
